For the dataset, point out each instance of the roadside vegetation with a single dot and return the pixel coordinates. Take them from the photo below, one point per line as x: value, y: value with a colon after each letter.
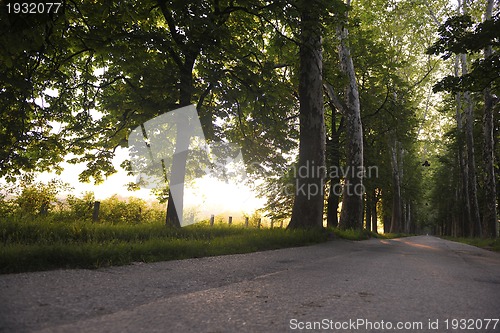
x: 43, y: 244
x: 487, y: 244
x: 40, y: 231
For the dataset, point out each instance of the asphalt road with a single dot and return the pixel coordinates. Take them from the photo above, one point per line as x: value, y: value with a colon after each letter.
x: 423, y: 284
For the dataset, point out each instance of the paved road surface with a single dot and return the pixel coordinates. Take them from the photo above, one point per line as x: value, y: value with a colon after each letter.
x: 342, y: 286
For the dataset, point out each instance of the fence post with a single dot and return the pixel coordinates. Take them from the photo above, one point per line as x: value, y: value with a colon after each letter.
x: 230, y: 220
x: 246, y: 222
x: 212, y: 218
x: 258, y: 224
x: 95, y: 213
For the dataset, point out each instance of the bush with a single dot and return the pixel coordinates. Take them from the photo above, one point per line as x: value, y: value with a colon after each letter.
x: 30, y: 198
x: 81, y: 208
x: 133, y: 211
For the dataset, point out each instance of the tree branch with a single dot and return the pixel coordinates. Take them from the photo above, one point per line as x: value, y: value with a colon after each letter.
x: 339, y: 105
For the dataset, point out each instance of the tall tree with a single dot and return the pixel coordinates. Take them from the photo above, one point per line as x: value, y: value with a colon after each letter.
x: 463, y: 191
x: 397, y: 170
x: 490, y: 224
x: 308, y: 204
x: 459, y: 36
x: 333, y: 157
x: 351, y: 216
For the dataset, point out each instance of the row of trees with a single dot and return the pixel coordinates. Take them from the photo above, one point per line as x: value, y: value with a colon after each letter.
x: 347, y: 86
x: 469, y: 207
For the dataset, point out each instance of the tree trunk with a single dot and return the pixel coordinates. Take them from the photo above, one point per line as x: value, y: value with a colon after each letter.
x: 368, y: 209
x: 351, y: 216
x: 471, y: 160
x: 396, y: 195
x: 179, y: 160
x: 475, y: 220
x: 333, y: 151
x: 490, y: 225
x: 332, y: 219
x: 387, y: 223
x: 464, y: 201
x: 308, y: 205
x: 408, y: 220
x: 374, y: 211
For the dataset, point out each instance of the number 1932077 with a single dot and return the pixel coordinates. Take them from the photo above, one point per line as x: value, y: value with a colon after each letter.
x: 33, y: 7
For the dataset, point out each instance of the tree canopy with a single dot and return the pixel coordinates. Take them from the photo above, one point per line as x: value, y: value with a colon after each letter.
x: 75, y: 83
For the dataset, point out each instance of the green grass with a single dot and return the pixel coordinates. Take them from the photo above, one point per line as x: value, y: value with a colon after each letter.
x: 43, y: 244
x: 488, y: 244
x: 364, y: 234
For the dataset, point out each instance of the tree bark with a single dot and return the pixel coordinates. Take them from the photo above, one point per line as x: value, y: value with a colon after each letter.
x: 464, y: 201
x: 175, y: 210
x: 351, y: 216
x: 333, y: 153
x: 332, y: 219
x: 471, y: 160
x: 490, y: 225
x: 368, y: 214
x: 374, y: 210
x: 396, y: 195
x: 475, y: 220
x: 308, y: 205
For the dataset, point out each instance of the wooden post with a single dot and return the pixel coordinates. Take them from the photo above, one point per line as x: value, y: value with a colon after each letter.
x: 212, y: 218
x: 272, y: 223
x: 246, y: 222
x: 95, y: 214
x: 281, y: 224
x: 258, y: 224
x: 230, y: 220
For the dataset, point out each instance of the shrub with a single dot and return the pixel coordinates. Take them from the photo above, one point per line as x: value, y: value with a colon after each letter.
x: 81, y: 208
x: 132, y: 211
x: 32, y: 198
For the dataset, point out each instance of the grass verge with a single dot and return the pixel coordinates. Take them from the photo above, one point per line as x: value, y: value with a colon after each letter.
x: 488, y: 244
x: 44, y: 245
x: 364, y: 234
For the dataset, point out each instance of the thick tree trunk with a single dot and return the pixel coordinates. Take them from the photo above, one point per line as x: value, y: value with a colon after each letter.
x: 179, y: 160
x: 474, y: 217
x: 471, y: 160
x: 464, y: 202
x: 351, y: 216
x: 490, y: 225
x: 309, y: 197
